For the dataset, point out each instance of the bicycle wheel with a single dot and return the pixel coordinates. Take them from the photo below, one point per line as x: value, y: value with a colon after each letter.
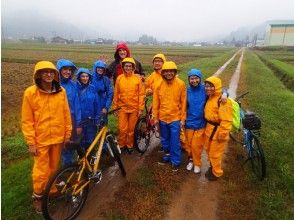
x: 257, y: 158
x: 141, y: 136
x: 116, y: 154
x: 58, y: 200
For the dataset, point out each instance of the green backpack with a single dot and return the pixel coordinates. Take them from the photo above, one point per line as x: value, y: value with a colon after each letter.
x: 236, y: 115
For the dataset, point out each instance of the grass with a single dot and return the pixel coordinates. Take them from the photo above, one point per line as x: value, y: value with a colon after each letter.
x: 272, y: 198
x: 16, y: 191
x: 278, y: 128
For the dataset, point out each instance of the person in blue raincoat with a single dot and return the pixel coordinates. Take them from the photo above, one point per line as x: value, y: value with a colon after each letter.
x: 195, y: 122
x: 103, y: 86
x: 66, y: 69
x: 89, y: 104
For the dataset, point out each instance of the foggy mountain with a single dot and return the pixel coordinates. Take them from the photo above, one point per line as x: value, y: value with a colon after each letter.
x: 29, y: 24
x: 242, y: 33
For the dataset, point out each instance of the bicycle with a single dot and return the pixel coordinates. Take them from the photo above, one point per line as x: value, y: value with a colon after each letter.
x: 248, y: 136
x: 67, y: 190
x: 144, y: 128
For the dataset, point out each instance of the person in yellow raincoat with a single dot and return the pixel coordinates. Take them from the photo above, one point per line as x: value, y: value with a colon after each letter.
x: 169, y: 111
x: 155, y: 77
x: 129, y: 95
x: 46, y: 125
x: 219, y: 117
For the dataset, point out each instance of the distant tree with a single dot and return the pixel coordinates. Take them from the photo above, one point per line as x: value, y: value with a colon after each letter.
x: 145, y: 39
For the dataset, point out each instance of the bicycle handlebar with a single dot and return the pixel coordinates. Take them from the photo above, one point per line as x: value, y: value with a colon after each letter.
x: 241, y: 96
x: 101, y: 120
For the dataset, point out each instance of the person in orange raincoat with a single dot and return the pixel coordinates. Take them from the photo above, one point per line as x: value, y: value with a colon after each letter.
x: 219, y: 117
x: 46, y: 125
x: 169, y: 110
x: 129, y: 95
x: 155, y: 77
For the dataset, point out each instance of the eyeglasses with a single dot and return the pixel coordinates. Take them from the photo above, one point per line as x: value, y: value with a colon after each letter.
x: 48, y: 72
x: 128, y: 66
x: 208, y: 86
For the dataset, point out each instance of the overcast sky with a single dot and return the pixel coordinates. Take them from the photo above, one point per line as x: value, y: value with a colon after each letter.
x: 179, y: 20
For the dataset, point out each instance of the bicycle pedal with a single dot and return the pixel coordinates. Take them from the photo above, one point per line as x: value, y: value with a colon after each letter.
x: 96, y: 177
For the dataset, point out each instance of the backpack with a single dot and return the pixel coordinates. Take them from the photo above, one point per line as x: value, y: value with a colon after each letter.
x: 236, y: 114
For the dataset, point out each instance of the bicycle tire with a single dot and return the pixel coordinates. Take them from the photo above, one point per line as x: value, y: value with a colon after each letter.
x: 116, y: 154
x: 257, y: 159
x: 141, y: 135
x: 63, y: 205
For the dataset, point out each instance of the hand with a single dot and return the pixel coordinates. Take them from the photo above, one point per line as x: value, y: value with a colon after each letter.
x: 104, y: 110
x: 224, y: 98
x: 79, y: 131
x: 33, y: 150
x: 115, y: 113
x: 182, y: 123
x: 66, y: 143
x: 140, y: 113
x: 149, y: 92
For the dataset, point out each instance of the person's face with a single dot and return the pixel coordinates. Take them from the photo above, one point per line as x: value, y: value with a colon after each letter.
x: 157, y: 64
x: 169, y: 74
x: 122, y: 53
x: 209, y: 89
x: 66, y: 72
x: 84, y: 78
x: 194, y: 81
x: 128, y: 67
x: 99, y: 71
x: 47, y: 75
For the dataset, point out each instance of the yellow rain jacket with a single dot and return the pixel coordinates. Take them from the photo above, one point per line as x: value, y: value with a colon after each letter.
x: 129, y: 93
x: 153, y: 80
x: 169, y: 101
x: 217, y: 112
x: 46, y: 116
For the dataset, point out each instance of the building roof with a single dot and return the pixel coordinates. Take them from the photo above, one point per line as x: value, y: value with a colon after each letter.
x: 281, y: 22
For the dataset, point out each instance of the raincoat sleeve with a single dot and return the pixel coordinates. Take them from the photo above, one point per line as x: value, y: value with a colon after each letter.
x: 27, y: 120
x: 78, y: 110
x: 183, y: 103
x: 141, y: 95
x: 67, y: 119
x: 226, y: 118
x: 96, y: 104
x: 109, y: 94
x: 155, y: 104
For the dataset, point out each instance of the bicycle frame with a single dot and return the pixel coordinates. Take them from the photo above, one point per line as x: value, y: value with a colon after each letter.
x: 84, y: 162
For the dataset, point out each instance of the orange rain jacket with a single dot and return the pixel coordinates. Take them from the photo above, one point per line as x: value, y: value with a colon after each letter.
x: 169, y: 101
x: 153, y: 80
x: 45, y: 116
x: 217, y: 112
x: 129, y: 93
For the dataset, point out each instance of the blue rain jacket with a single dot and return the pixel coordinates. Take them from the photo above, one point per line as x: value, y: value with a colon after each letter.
x: 89, y: 106
x: 196, y: 99
x: 103, y: 88
x: 71, y: 92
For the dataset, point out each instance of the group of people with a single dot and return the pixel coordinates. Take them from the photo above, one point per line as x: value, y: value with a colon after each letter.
x: 55, y: 105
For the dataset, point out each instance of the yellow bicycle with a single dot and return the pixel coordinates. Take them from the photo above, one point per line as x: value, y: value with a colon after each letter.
x: 67, y: 190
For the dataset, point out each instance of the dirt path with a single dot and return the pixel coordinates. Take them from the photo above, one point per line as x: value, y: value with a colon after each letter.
x: 197, y: 198
x: 103, y: 193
